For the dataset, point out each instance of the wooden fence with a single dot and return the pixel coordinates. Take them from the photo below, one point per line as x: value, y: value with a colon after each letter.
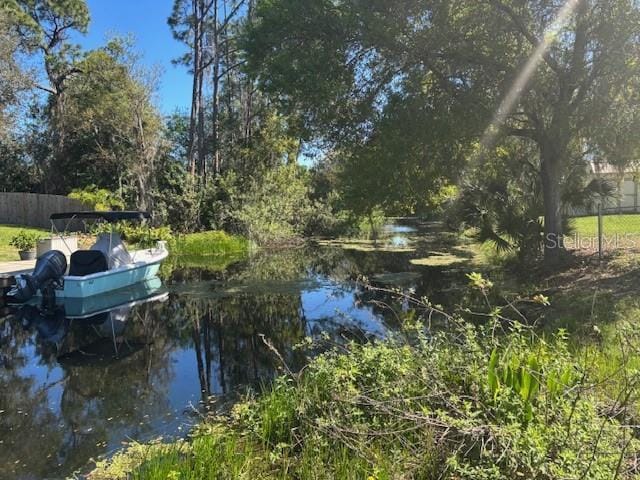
x: 34, y: 209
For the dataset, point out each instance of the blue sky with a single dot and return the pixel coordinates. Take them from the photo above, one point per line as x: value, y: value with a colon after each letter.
x: 146, y: 20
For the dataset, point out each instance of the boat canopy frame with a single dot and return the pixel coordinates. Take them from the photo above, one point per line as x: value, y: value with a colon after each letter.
x: 108, y: 216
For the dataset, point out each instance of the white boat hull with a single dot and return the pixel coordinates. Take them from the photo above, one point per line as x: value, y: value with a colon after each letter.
x: 145, y: 266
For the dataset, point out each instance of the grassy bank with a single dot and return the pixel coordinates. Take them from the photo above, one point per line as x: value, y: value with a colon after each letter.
x: 212, y: 243
x: 7, y: 252
x: 212, y: 250
x: 495, y: 401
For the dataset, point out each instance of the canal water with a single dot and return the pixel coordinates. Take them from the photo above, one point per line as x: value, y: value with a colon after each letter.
x: 74, y: 388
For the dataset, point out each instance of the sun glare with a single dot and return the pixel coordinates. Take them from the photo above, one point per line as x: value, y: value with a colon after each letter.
x: 522, y: 80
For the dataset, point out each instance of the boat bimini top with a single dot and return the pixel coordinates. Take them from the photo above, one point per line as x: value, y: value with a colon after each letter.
x: 109, y: 244
x: 110, y: 217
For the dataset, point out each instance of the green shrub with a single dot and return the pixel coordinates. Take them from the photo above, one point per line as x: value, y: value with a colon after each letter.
x: 134, y: 234
x: 369, y: 226
x: 174, y: 196
x: 146, y: 237
x: 192, y: 245
x: 24, y: 240
x: 277, y: 207
x: 329, y: 219
x: 99, y: 199
x: 433, y: 409
x: 220, y: 201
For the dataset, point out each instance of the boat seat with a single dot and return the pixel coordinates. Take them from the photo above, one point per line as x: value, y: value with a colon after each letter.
x: 86, y: 262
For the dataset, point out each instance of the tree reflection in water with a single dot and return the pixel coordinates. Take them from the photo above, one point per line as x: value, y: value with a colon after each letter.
x: 66, y: 401
x: 71, y: 391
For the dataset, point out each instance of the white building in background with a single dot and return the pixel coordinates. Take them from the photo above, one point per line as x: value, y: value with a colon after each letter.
x: 627, y: 182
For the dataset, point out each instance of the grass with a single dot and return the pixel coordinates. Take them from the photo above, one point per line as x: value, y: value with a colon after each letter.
x: 212, y: 251
x: 611, y: 225
x: 212, y: 243
x: 7, y: 252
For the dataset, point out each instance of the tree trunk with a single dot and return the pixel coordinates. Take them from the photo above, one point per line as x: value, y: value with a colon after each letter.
x: 192, y: 126
x: 215, y: 113
x: 195, y: 98
x: 201, y: 120
x: 550, y: 173
x: 229, y: 88
x: 55, y: 167
x: 202, y: 167
x: 145, y: 165
x: 248, y: 101
x: 215, y: 137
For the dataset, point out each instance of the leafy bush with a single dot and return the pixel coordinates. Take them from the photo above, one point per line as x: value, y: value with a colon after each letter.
x: 146, y: 237
x: 220, y: 201
x: 135, y: 234
x: 25, y: 240
x: 278, y: 206
x: 501, y: 199
x: 193, y: 245
x: 97, y: 198
x: 370, y: 225
x: 473, y: 408
x: 506, y: 216
x: 175, y: 198
x: 345, y: 223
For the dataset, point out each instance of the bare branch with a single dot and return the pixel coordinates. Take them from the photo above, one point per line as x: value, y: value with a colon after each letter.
x: 230, y: 69
x: 231, y: 15
x: 45, y: 89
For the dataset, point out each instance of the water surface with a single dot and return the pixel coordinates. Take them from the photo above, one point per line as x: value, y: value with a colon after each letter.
x: 72, y: 390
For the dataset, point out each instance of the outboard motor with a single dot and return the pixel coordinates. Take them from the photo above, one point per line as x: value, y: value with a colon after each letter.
x: 49, y: 268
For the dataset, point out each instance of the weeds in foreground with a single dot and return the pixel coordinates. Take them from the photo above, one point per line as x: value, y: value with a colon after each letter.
x: 489, y: 401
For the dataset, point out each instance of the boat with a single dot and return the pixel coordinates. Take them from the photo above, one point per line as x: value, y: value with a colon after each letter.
x: 106, y: 266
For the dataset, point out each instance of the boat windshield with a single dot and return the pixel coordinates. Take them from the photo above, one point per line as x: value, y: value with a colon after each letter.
x: 113, y: 248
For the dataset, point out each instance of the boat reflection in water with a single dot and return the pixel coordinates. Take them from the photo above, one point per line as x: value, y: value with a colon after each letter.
x: 75, y: 377
x: 105, y: 317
